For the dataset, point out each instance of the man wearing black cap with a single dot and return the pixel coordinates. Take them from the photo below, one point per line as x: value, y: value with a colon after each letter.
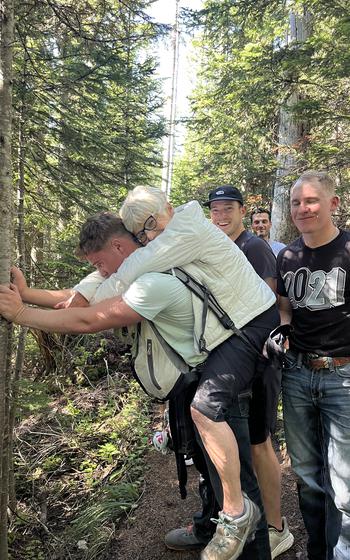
x: 225, y: 192
x: 227, y: 211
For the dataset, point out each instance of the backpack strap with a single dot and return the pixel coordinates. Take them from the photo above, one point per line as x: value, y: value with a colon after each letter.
x: 201, y: 342
x: 210, y: 302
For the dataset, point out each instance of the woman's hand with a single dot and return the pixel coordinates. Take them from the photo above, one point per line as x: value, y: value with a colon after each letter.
x: 11, y: 303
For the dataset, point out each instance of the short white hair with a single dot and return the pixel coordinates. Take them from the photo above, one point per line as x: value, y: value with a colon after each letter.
x: 319, y: 179
x: 141, y: 203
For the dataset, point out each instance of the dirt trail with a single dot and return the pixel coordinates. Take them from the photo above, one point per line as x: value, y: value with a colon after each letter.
x: 161, y: 509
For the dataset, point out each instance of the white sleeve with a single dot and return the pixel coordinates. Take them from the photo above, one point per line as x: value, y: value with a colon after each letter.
x: 180, y: 243
x: 111, y: 287
x: 96, y: 288
x: 88, y: 285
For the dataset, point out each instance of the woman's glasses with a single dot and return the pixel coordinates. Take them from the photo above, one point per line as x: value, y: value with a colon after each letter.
x: 149, y: 225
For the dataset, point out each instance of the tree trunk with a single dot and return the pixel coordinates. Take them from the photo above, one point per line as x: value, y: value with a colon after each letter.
x: 22, y: 330
x: 6, y: 42
x: 291, y: 140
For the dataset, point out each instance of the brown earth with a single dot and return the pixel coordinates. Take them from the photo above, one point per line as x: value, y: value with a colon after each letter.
x: 160, y: 508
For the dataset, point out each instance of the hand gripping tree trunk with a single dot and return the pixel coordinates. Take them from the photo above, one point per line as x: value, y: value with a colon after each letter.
x: 291, y: 140
x: 6, y: 42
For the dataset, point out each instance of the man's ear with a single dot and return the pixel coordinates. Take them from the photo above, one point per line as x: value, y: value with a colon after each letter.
x: 335, y: 201
x: 115, y: 244
x: 243, y: 211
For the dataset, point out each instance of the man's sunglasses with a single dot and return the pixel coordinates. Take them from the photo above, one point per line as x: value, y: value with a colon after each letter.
x: 149, y: 225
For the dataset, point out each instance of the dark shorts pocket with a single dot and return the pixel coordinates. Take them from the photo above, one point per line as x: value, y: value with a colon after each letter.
x: 244, y: 403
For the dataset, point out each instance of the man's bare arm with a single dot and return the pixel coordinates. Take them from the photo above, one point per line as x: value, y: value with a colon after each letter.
x: 109, y: 314
x: 41, y: 297
x: 285, y: 310
x: 272, y: 283
x: 46, y: 298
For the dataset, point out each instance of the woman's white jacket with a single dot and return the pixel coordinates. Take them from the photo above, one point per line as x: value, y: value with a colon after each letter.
x: 192, y: 242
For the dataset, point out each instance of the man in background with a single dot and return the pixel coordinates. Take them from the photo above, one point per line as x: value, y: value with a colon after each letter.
x: 261, y: 224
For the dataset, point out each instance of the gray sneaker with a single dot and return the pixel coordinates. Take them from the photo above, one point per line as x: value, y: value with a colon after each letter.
x: 280, y: 541
x: 232, y: 533
x: 183, y: 539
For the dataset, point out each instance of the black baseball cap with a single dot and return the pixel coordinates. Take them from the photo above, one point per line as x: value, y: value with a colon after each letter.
x: 226, y: 192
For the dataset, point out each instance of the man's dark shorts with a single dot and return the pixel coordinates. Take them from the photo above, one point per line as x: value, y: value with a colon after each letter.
x: 264, y: 402
x: 229, y: 368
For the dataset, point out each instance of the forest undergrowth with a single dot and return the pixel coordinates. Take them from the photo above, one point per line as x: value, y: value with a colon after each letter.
x: 80, y: 445
x: 79, y: 451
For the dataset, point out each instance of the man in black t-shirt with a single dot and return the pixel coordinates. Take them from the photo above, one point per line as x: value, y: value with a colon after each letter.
x: 227, y: 211
x: 314, y: 286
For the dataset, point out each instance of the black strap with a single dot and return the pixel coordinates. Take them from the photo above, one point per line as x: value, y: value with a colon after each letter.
x: 181, y: 425
x: 202, y: 343
x: 209, y: 301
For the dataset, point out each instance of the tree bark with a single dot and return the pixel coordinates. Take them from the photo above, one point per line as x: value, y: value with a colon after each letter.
x: 6, y: 42
x: 20, y: 346
x: 291, y: 140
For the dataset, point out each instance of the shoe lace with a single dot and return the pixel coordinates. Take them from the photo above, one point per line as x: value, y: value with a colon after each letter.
x: 229, y: 526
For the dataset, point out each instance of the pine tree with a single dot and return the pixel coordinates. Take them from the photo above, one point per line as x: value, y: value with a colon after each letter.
x: 88, y: 105
x: 252, y: 81
x: 6, y: 42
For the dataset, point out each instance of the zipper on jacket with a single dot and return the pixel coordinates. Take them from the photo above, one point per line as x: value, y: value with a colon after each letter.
x: 150, y: 364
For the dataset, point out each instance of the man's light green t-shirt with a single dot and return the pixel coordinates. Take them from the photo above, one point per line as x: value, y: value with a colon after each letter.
x: 164, y: 300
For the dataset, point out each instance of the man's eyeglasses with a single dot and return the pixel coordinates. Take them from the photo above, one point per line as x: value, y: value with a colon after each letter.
x: 149, y: 225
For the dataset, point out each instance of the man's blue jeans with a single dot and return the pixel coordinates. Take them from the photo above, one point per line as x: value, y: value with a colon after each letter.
x: 316, y: 407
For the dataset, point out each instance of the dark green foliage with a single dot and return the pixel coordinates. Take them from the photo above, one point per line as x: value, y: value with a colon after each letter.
x: 87, y: 112
x: 247, y: 72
